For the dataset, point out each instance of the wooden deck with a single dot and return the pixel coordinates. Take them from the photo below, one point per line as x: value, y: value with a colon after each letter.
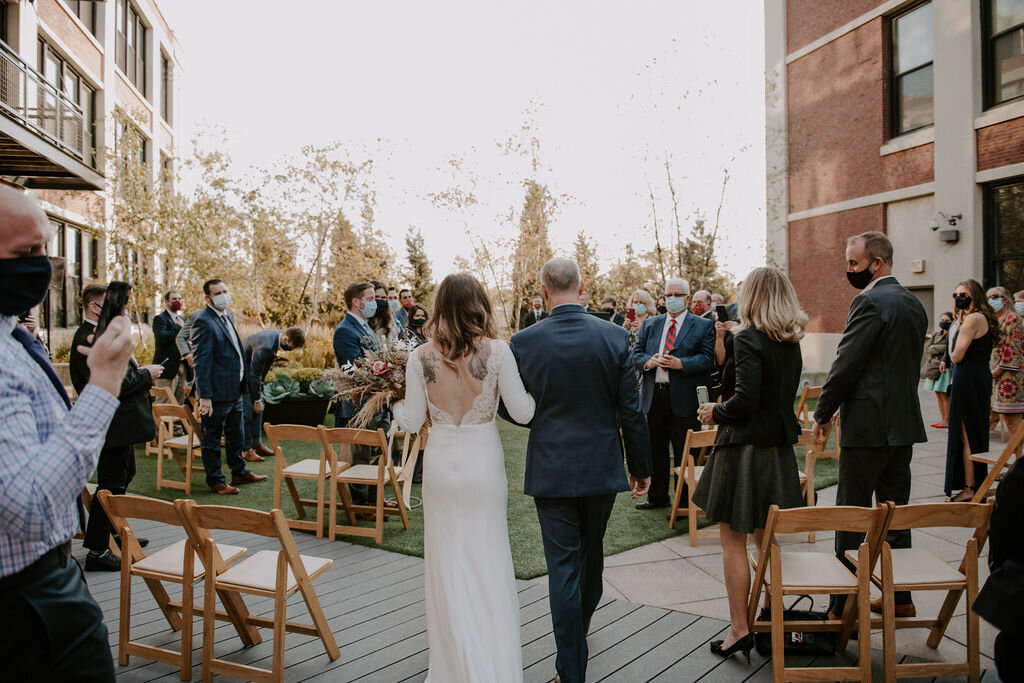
x: 373, y: 600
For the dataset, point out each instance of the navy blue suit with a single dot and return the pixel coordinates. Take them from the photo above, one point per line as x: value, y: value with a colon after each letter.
x: 672, y: 409
x: 579, y: 370
x: 165, y: 330
x: 221, y: 376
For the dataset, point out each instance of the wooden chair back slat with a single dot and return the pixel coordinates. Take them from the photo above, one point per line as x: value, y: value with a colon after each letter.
x: 839, y: 518
x: 212, y: 517
x: 926, y: 515
x: 279, y: 432
x: 354, y: 437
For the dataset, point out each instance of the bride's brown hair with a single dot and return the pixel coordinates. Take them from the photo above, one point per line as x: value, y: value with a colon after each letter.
x: 462, y: 316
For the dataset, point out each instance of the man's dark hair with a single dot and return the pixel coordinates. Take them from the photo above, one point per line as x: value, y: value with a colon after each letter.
x: 876, y: 245
x: 211, y: 283
x: 169, y: 292
x: 355, y: 291
x: 403, y: 292
x: 377, y: 284
x: 295, y: 336
x: 91, y: 293
x: 609, y: 300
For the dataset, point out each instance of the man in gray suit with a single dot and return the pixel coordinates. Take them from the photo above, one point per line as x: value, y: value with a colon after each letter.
x: 872, y: 386
x: 260, y: 353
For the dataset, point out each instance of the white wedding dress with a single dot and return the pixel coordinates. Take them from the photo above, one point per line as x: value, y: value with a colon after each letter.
x: 472, y: 604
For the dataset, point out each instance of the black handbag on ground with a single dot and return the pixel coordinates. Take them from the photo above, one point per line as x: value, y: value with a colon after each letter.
x: 797, y: 643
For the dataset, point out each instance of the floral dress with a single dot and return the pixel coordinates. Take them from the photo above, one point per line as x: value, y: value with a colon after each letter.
x: 1008, y: 354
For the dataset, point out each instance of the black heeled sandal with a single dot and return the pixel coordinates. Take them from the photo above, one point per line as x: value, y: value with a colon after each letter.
x: 964, y: 496
x: 744, y: 645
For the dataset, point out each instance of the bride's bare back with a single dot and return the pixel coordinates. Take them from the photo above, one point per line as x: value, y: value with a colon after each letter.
x: 453, y: 387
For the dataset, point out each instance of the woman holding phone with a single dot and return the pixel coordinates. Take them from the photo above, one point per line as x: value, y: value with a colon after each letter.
x: 641, y: 305
x: 753, y: 466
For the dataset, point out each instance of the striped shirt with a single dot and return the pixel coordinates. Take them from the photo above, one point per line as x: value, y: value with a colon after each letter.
x: 46, y: 454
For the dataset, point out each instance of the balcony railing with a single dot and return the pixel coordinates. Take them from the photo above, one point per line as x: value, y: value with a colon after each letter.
x: 29, y: 98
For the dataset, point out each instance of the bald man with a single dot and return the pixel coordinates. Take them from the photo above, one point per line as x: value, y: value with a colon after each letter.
x: 52, y: 627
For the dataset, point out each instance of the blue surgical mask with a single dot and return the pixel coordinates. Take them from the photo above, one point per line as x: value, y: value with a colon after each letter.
x: 640, y: 309
x: 675, y: 304
x: 370, y: 309
x: 284, y: 346
x: 996, y: 304
x: 393, y: 303
x: 1019, y: 307
x: 222, y: 301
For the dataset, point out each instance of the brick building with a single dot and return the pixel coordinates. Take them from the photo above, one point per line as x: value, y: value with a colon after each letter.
x: 900, y: 116
x: 66, y: 67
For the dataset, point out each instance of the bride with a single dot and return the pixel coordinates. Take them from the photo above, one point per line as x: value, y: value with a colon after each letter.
x: 471, y: 600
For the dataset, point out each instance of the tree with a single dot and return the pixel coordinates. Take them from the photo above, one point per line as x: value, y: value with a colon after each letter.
x: 421, y: 278
x: 630, y: 273
x: 533, y: 249
x: 585, y: 254
x: 696, y: 254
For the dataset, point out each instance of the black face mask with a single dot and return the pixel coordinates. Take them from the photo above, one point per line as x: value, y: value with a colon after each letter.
x: 944, y: 324
x: 382, y: 308
x: 662, y: 310
x: 860, y: 278
x: 23, y: 283
x: 962, y: 301
x: 416, y: 322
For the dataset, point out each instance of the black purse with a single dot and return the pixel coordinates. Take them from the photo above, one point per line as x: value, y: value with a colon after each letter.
x: 797, y: 643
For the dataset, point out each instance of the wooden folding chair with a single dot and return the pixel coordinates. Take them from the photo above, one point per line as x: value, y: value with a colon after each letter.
x: 687, y: 475
x: 996, y: 465
x: 812, y: 451
x: 266, y: 573
x: 182, y: 449
x: 803, y: 411
x: 309, y: 469
x: 412, y: 446
x: 163, y: 394
x: 919, y: 569
x: 175, y: 563
x: 784, y: 572
x: 380, y: 475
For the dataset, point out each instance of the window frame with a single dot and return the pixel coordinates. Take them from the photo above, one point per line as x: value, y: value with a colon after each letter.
x: 894, y: 77
x: 130, y: 56
x: 993, y: 260
x: 83, y: 94
x: 89, y: 21
x: 166, y: 88
x: 988, y: 57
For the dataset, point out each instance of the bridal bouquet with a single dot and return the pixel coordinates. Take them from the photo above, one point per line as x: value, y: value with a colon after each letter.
x: 374, y: 381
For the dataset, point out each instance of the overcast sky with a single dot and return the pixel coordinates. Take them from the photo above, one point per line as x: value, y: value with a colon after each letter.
x: 619, y: 86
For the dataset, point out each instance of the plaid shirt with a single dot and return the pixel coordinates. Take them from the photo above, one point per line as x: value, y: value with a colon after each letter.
x: 46, y: 454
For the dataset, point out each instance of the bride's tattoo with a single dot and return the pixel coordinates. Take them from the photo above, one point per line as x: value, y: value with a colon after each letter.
x: 429, y: 362
x: 478, y: 367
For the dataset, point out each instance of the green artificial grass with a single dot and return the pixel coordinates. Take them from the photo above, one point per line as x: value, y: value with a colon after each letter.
x: 627, y: 528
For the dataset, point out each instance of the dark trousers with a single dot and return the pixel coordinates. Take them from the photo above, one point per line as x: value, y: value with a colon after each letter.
x: 664, y: 429
x: 573, y: 534
x: 867, y: 475
x: 364, y: 494
x: 252, y: 426
x: 225, y: 421
x: 52, y: 630
x: 1007, y: 651
x: 114, y: 471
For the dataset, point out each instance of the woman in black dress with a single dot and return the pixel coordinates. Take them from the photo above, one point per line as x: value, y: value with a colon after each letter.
x: 753, y: 465
x: 971, y: 394
x: 412, y: 333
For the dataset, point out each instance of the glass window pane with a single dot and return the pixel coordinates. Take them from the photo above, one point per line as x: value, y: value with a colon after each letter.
x: 1009, y: 65
x: 1006, y: 14
x: 1009, y: 210
x: 913, y: 45
x: 914, y: 98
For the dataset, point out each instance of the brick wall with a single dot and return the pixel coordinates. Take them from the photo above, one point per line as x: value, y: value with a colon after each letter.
x: 808, y: 20
x: 817, y: 263
x: 84, y: 51
x: 89, y: 205
x: 912, y: 166
x: 1001, y: 144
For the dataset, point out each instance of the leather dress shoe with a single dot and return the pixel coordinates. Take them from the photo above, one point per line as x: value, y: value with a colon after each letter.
x: 223, y: 489
x: 904, y: 610
x: 250, y: 478
x: 264, y: 451
x: 648, y: 505
x: 250, y: 456
x: 143, y: 542
x: 107, y: 562
x: 369, y: 516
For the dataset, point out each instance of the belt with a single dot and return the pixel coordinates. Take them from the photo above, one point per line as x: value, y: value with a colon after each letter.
x: 52, y: 559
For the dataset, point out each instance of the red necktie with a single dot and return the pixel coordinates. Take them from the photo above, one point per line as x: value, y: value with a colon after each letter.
x: 670, y: 338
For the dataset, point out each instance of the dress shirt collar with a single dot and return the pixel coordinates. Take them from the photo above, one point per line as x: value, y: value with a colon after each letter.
x: 875, y: 282
x: 568, y: 307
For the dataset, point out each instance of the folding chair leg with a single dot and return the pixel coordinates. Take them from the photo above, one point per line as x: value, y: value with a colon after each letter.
x: 945, y: 614
x: 300, y: 509
x: 280, y: 616
x: 675, y: 505
x: 379, y: 525
x: 888, y: 616
x: 778, y: 634
x: 809, y: 463
x: 691, y: 508
x: 319, y: 620
x: 163, y: 601
x: 125, y: 607
x: 237, y: 611
x: 864, y: 615
x: 973, y: 658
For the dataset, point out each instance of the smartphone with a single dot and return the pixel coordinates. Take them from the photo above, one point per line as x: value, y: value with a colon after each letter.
x: 702, y: 396
x: 113, y: 306
x: 722, y: 312
x: 631, y: 315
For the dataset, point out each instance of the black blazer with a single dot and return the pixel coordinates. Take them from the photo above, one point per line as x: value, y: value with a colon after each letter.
x: 760, y: 409
x: 533, y: 317
x: 133, y: 419
x: 578, y: 370
x: 165, y: 331
x: 877, y: 369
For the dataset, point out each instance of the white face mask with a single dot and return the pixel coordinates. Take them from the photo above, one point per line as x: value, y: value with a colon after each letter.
x: 221, y: 301
x: 675, y: 304
x: 1019, y: 307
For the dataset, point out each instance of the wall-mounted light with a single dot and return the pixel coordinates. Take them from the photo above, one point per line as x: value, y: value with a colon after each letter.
x: 951, y: 220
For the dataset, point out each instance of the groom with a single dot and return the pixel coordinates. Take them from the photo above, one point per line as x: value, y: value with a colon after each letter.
x: 577, y: 367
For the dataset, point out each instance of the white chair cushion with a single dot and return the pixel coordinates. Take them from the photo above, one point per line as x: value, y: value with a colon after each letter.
x: 260, y: 571
x: 171, y: 560
x: 915, y: 565
x: 181, y: 442
x: 360, y: 472
x: 813, y: 569
x: 304, y: 468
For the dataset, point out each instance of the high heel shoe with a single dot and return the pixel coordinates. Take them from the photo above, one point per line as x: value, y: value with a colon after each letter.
x: 744, y: 645
x: 965, y: 495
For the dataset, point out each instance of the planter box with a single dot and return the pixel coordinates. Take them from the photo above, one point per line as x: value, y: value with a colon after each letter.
x: 305, y: 410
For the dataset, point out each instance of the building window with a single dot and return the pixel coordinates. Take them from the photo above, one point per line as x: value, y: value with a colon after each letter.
x: 68, y: 251
x: 3, y: 21
x: 64, y: 78
x: 167, y: 171
x: 166, y: 88
x: 1003, y: 24
x: 85, y: 11
x: 1004, y: 235
x: 130, y: 48
x: 911, y: 83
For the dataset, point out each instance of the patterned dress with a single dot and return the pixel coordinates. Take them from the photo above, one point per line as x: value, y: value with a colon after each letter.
x: 1008, y: 354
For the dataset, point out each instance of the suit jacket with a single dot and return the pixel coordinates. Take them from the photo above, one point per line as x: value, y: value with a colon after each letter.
x: 133, y: 419
x: 534, y: 317
x: 873, y: 380
x: 618, y: 319
x: 402, y: 316
x: 695, y: 347
x: 578, y: 370
x: 760, y: 409
x: 350, y: 341
x: 260, y: 349
x: 215, y: 358
x: 165, y: 332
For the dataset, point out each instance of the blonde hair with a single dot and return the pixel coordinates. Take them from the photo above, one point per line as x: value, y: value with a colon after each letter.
x: 645, y: 298
x: 768, y: 303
